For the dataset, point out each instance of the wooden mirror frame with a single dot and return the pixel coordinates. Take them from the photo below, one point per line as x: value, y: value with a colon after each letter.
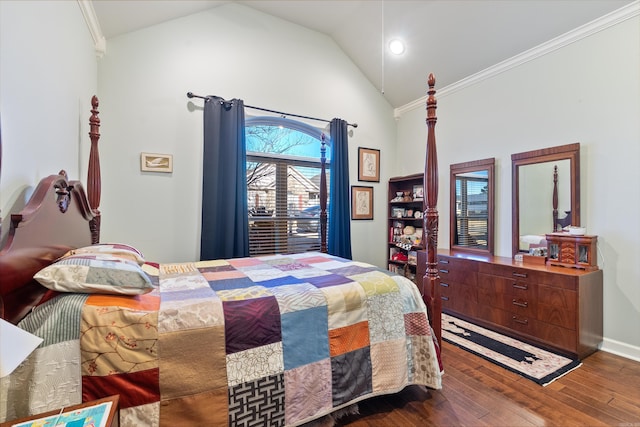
x: 466, y: 167
x: 569, y: 152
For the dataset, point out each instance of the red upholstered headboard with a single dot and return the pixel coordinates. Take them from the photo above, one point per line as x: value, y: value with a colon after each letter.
x: 58, y: 217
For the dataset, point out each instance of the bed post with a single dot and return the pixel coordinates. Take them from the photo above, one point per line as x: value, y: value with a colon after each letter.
x: 323, y: 196
x: 554, y: 201
x: 93, y: 175
x: 431, y: 280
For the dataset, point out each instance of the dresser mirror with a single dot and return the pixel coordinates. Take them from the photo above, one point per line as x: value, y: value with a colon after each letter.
x: 545, y: 194
x: 472, y: 203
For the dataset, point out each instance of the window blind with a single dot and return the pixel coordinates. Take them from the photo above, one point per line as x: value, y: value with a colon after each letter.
x: 472, y: 212
x: 283, y: 200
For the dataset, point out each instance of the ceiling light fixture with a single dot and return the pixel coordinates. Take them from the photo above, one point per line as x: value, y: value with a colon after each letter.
x: 396, y: 47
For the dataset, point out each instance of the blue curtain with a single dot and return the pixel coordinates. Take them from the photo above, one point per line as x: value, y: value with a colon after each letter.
x: 225, y: 229
x: 339, y: 234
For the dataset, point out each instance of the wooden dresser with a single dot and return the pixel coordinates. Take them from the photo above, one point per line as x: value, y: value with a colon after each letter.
x: 558, y: 308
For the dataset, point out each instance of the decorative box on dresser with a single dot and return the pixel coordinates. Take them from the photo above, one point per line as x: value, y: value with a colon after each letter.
x: 558, y: 308
x: 574, y: 251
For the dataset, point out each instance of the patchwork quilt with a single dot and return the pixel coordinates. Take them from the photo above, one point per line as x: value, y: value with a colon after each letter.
x: 278, y: 340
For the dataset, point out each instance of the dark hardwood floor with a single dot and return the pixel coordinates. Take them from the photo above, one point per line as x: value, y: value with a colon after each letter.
x: 604, y: 391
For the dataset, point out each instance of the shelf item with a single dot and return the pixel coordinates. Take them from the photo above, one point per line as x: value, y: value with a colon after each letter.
x: 570, y: 250
x: 534, y: 259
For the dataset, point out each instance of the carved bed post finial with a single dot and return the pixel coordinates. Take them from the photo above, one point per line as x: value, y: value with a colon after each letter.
x: 63, y: 191
x: 93, y: 175
x: 431, y: 280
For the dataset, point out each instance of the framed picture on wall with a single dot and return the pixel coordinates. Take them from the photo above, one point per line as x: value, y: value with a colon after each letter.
x: 368, y: 164
x: 361, y: 202
x: 150, y: 162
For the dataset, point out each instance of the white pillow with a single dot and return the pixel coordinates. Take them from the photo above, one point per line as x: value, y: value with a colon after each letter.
x: 95, y: 273
x: 116, y: 249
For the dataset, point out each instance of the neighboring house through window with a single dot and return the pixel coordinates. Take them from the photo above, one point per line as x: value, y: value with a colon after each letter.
x: 472, y: 214
x: 283, y: 183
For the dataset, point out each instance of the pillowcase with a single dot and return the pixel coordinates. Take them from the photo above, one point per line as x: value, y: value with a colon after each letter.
x: 95, y: 274
x: 116, y: 249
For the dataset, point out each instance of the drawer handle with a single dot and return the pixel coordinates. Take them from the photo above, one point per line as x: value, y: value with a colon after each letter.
x: 444, y: 285
x: 525, y: 286
x: 444, y: 271
x: 444, y: 298
x: 444, y: 261
x: 521, y: 321
x: 520, y: 274
x: 520, y: 304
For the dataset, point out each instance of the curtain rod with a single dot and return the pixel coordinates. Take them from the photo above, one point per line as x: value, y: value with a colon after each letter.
x: 192, y: 95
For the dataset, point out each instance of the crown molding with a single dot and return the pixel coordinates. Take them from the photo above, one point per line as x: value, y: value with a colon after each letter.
x: 602, y: 23
x: 89, y: 13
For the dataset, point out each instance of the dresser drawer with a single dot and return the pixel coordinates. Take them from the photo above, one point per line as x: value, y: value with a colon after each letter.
x: 494, y: 315
x: 562, y: 338
x: 507, y: 294
x: 556, y: 297
x: 558, y: 336
x: 448, y: 295
x: 457, y: 270
x: 509, y: 271
x: 557, y: 316
x: 459, y: 297
x: 523, y: 324
x: 561, y: 281
x: 557, y: 307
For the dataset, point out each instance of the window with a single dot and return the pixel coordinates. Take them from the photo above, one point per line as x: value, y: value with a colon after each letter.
x: 471, y: 210
x: 471, y: 226
x: 283, y: 185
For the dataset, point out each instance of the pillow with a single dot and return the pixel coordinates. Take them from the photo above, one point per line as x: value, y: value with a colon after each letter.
x: 116, y: 249
x: 97, y: 273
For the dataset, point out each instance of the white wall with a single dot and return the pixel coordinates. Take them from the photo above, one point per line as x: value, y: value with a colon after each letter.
x: 587, y: 92
x: 234, y: 52
x: 48, y: 73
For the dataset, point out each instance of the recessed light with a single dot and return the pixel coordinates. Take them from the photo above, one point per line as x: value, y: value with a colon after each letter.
x: 396, y: 47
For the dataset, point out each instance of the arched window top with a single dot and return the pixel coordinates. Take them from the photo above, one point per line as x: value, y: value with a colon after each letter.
x: 279, y: 135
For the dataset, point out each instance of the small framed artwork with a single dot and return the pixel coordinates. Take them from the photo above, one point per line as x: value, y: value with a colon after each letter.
x: 361, y: 202
x: 368, y: 164
x: 150, y: 162
x: 418, y: 192
x: 397, y: 212
x: 97, y: 413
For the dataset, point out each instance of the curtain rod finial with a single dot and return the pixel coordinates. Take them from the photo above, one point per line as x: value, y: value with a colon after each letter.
x: 189, y: 94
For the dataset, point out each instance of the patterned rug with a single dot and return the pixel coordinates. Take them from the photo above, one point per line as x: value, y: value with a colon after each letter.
x: 536, y: 364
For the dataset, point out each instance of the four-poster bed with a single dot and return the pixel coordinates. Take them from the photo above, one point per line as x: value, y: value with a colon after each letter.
x: 284, y: 339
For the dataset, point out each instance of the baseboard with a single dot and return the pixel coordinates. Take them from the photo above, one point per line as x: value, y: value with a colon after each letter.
x: 621, y: 349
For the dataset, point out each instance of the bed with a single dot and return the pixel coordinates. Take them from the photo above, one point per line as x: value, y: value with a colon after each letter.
x: 273, y: 340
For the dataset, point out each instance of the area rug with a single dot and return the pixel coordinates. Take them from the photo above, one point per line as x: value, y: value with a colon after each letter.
x: 533, y: 363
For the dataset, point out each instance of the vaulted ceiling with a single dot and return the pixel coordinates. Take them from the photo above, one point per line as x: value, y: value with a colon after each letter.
x: 454, y: 39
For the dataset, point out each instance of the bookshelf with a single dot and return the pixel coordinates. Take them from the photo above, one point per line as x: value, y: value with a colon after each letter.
x: 405, y: 224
